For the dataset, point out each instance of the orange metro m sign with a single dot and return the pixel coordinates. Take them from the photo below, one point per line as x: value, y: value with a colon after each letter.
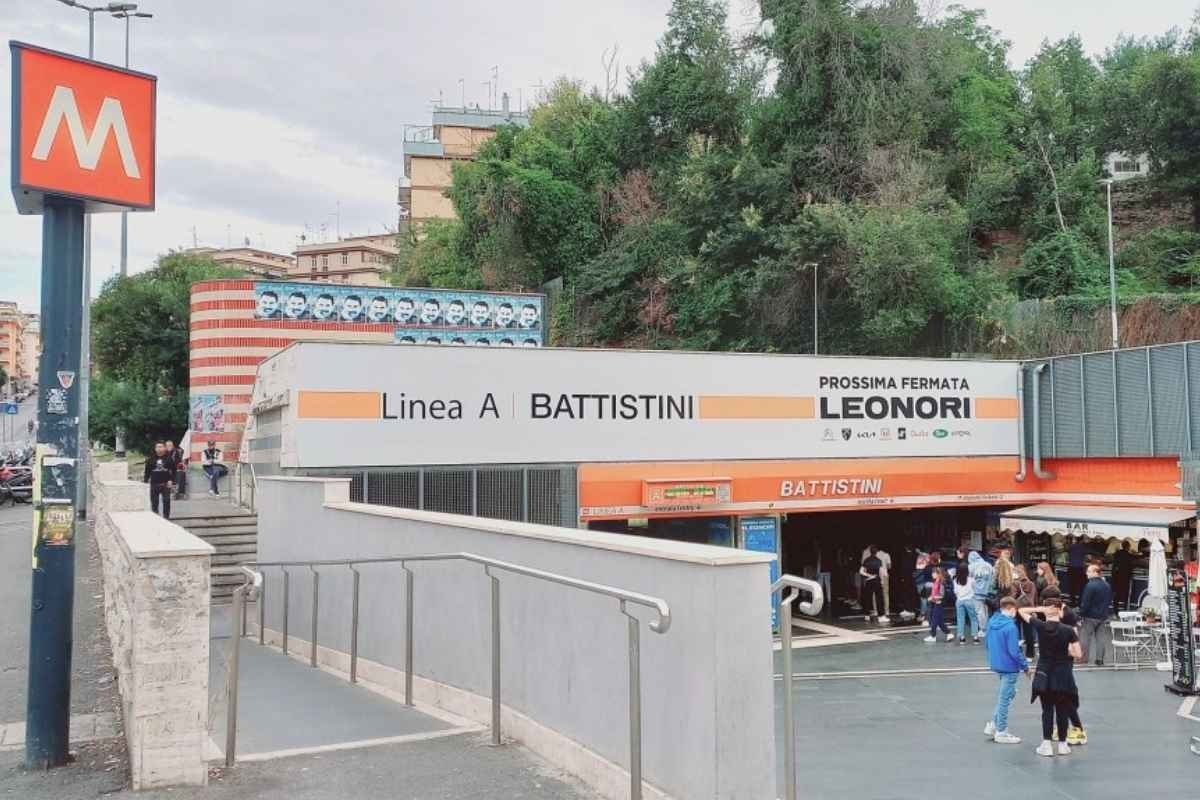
x: 82, y: 130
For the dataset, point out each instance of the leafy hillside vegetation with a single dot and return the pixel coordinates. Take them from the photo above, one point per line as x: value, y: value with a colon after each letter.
x: 948, y: 202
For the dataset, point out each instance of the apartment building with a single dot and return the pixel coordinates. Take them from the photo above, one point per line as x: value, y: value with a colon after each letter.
x: 360, y: 260
x: 431, y: 151
x: 20, y: 345
x: 251, y: 260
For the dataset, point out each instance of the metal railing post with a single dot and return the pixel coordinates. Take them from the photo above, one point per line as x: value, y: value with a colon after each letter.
x: 231, y: 680
x: 245, y: 611
x: 262, y: 612
x: 312, y: 659
x: 789, y: 720
x: 635, y: 706
x: 354, y: 630
x: 286, y: 580
x: 495, y: 655
x: 408, y: 634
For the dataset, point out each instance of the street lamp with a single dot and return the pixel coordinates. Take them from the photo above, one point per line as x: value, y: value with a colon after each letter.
x: 125, y: 11
x: 1112, y: 265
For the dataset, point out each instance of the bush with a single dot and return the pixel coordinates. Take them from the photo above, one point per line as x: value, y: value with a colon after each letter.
x: 1062, y: 263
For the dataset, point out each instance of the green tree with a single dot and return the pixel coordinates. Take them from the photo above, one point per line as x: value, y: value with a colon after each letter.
x: 1168, y: 129
x: 140, y: 328
x: 3, y: 378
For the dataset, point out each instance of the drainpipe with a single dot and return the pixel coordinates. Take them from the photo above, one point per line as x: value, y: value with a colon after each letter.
x: 1020, y: 476
x: 1038, y: 472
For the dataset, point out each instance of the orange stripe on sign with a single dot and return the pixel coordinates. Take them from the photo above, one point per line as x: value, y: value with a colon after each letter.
x: 756, y: 407
x: 995, y: 408
x: 340, y: 405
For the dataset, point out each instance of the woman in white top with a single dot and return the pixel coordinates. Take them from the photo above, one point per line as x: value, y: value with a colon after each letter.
x: 964, y: 603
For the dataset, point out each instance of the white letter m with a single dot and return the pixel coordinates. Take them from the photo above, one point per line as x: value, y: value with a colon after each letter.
x: 87, y: 149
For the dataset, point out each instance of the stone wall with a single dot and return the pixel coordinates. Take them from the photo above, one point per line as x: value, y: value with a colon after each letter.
x: 156, y: 607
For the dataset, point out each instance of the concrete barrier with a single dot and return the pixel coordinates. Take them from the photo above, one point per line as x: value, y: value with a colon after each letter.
x: 707, y: 686
x: 156, y: 604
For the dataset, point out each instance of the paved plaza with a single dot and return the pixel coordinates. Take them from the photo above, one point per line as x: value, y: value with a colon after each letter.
x: 918, y: 734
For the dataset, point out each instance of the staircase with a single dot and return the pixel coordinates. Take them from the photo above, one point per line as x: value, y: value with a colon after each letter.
x: 229, y: 529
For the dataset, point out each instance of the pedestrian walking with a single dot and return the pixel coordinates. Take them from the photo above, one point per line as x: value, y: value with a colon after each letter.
x: 160, y: 474
x: 985, y: 586
x: 210, y: 462
x: 1094, y: 634
x: 872, y: 586
x: 1025, y: 594
x: 964, y: 603
x: 1054, y: 678
x: 1006, y: 660
x: 936, y: 611
x: 181, y: 460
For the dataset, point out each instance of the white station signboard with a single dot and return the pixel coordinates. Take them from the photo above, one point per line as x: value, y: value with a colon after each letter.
x: 381, y: 405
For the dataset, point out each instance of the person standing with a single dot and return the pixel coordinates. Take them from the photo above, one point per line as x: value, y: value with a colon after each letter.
x: 1006, y: 660
x: 180, y: 459
x: 1054, y: 680
x: 160, y: 474
x: 210, y: 462
x: 872, y: 587
x: 1094, y: 634
x: 936, y: 612
x: 1122, y: 576
x: 985, y: 585
x: 964, y: 603
x: 1045, y: 577
x: 1076, y: 559
x: 885, y: 583
x: 1026, y: 596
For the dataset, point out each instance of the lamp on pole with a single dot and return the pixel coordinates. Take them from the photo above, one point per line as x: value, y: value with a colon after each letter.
x: 126, y: 11
x: 1112, y: 265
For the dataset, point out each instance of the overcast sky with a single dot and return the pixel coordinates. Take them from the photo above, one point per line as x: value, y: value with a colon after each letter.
x: 271, y: 112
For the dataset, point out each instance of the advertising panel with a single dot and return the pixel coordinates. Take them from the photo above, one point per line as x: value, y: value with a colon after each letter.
x: 761, y: 534
x: 207, y: 413
x: 1181, y: 638
x: 379, y: 405
x: 419, y: 316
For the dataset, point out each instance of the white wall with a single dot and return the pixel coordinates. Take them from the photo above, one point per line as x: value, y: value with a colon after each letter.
x: 707, y: 684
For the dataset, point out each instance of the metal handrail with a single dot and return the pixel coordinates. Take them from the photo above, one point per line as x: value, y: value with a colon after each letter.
x: 255, y: 586
x: 794, y: 585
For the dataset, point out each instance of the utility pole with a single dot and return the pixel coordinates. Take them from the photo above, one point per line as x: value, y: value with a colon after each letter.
x: 1112, y: 267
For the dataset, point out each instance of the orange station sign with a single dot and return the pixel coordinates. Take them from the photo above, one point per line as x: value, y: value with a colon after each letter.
x: 81, y: 129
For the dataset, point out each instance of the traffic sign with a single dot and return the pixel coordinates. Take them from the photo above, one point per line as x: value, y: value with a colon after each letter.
x: 11, y: 408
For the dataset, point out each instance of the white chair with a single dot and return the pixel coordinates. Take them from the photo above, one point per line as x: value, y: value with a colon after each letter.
x: 1125, y: 644
x: 1129, y: 616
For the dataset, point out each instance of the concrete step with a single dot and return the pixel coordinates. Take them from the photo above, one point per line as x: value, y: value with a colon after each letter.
x: 238, y: 547
x: 231, y: 536
x: 233, y: 559
x: 199, y: 523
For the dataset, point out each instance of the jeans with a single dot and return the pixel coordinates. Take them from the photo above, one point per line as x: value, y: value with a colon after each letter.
x: 1004, y: 698
x: 1094, y: 637
x: 1056, y: 713
x: 966, y: 611
x: 872, y: 591
x: 214, y: 478
x: 937, y: 618
x: 982, y: 612
x: 1029, y: 634
x: 161, y: 492
x: 181, y: 483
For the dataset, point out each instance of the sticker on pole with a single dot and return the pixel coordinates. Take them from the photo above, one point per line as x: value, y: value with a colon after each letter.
x: 56, y: 528
x: 66, y: 379
x: 56, y: 401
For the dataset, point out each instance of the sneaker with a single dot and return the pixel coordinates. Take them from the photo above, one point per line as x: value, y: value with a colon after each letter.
x: 930, y: 639
x: 884, y: 620
x: 949, y: 637
x: 1064, y: 749
x: 978, y: 638
x: 989, y: 729
x: 1076, y: 735
x: 1004, y: 737
x: 1046, y: 748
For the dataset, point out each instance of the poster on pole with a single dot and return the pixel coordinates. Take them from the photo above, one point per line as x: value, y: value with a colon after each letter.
x: 1181, y: 638
x: 761, y: 534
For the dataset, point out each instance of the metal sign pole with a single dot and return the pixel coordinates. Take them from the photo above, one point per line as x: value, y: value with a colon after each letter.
x: 50, y: 634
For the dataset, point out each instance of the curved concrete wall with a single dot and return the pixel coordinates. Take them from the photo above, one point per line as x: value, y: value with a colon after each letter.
x: 707, y: 684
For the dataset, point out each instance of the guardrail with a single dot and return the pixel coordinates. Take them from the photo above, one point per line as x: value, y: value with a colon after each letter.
x: 811, y: 608
x: 255, y: 586
x: 245, y: 469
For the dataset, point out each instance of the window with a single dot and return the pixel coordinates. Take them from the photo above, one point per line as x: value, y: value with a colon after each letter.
x: 314, y: 262
x: 1126, y: 166
x: 345, y: 259
x: 325, y: 267
x: 324, y: 261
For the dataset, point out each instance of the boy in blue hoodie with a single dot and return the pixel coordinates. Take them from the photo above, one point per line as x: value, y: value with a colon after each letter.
x: 1006, y: 659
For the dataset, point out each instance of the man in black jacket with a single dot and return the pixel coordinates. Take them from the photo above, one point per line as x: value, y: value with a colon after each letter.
x: 1094, y: 603
x: 160, y: 474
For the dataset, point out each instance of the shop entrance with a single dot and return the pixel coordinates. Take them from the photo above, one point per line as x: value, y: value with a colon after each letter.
x: 829, y: 546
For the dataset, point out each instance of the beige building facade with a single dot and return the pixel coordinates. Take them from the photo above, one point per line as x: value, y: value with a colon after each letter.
x: 358, y: 260
x: 431, y: 151
x: 20, y: 346
x: 252, y: 260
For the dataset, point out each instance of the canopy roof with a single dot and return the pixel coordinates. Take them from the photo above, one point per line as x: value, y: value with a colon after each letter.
x: 1096, y: 522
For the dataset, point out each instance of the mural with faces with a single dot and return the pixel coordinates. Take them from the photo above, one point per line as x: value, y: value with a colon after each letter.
x: 460, y: 318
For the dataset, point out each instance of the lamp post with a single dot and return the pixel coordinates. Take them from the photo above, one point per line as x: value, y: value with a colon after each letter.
x: 1112, y: 265
x: 126, y: 11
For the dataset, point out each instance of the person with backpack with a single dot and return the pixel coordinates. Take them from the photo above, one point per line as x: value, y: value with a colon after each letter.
x: 1006, y: 660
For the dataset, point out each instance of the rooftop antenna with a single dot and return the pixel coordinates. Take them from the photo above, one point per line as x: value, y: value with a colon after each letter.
x: 194, y: 238
x: 462, y: 91
x: 228, y: 233
x: 496, y: 81
x: 488, y: 84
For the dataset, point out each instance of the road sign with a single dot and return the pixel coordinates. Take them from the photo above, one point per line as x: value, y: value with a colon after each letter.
x: 56, y: 97
x: 11, y: 408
